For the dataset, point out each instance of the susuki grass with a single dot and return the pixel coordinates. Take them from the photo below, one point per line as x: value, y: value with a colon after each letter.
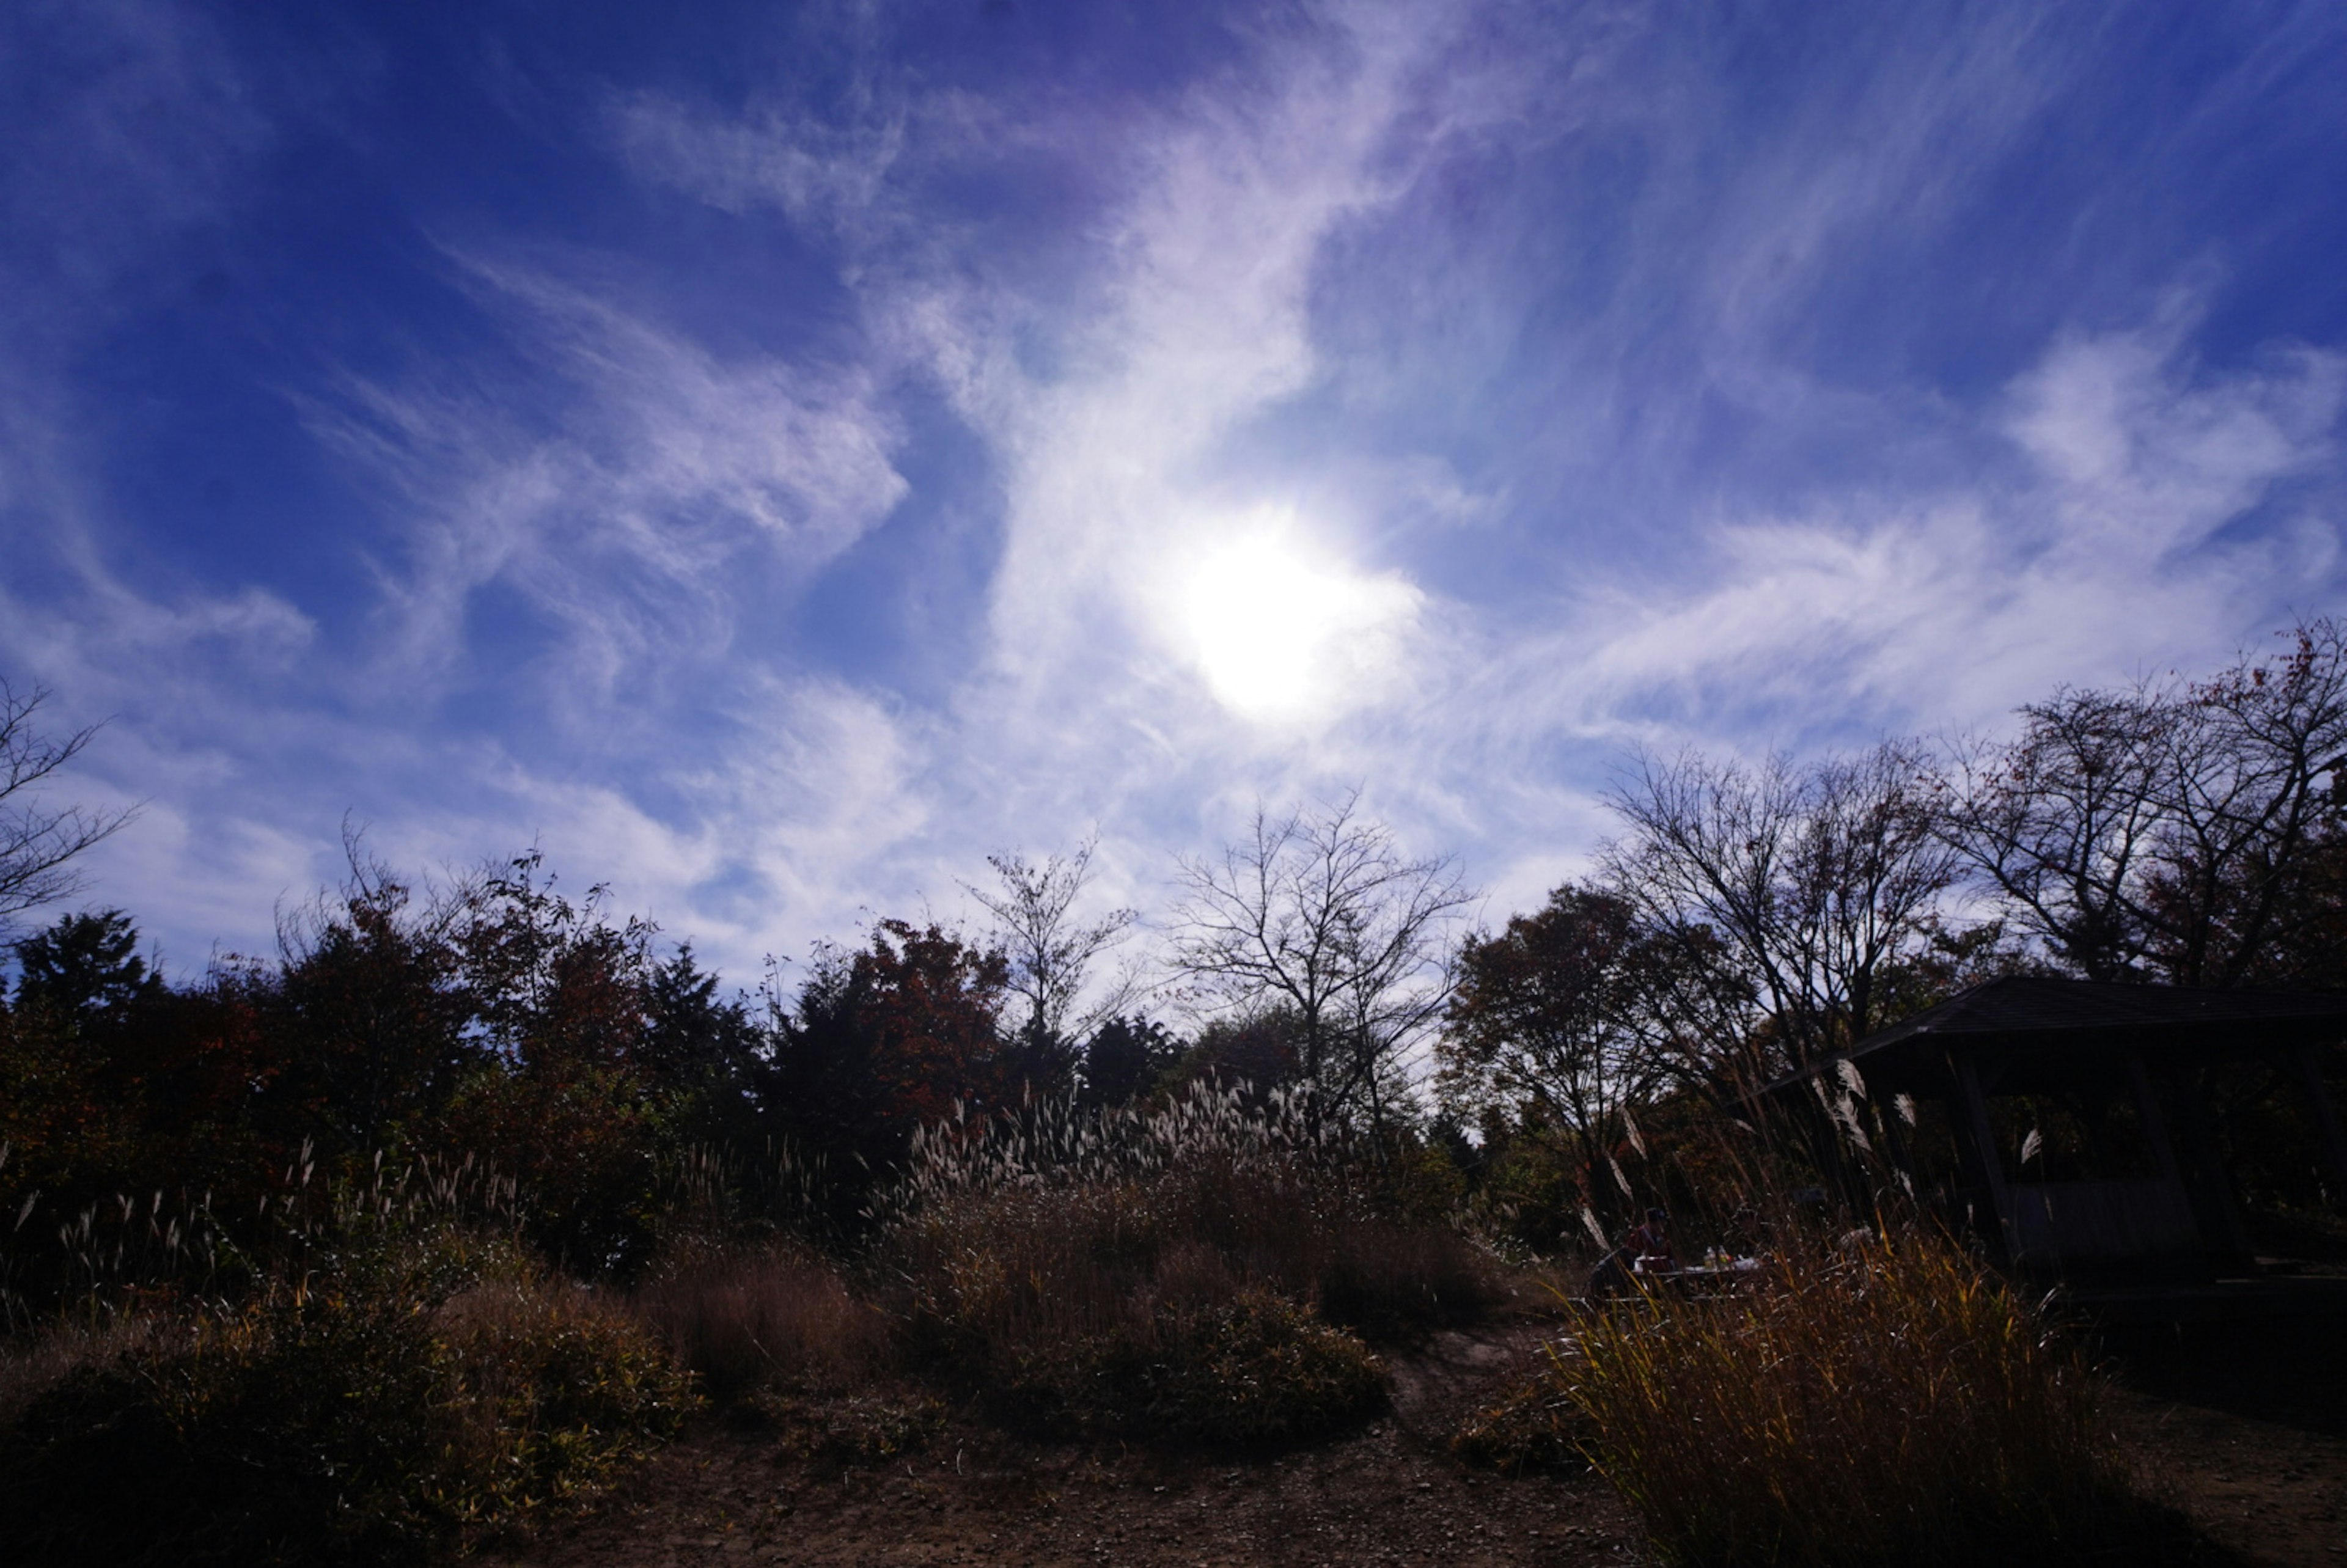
x: 1080, y: 1268
x: 747, y: 1317
x: 412, y: 1389
x: 134, y: 1253
x: 1254, y: 1191
x: 1884, y: 1400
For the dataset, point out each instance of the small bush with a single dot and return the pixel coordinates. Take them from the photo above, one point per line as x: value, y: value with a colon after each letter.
x: 1149, y: 1310
x: 31, y: 1365
x: 1891, y: 1404
x: 745, y: 1320
x: 1060, y: 1262
x: 865, y: 1428
x: 367, y: 1417
x: 1396, y: 1279
x: 1186, y: 1274
x: 1096, y: 1196
x: 1256, y: 1371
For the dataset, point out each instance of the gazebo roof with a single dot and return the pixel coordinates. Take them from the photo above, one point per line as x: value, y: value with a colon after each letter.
x: 2044, y: 1014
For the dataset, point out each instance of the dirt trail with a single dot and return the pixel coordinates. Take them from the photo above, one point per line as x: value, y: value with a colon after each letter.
x: 2274, y: 1495
x: 1388, y: 1494
x: 2267, y: 1494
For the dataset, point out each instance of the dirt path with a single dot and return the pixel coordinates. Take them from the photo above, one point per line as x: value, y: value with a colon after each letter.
x: 2274, y: 1495
x: 2263, y: 1493
x: 1389, y: 1494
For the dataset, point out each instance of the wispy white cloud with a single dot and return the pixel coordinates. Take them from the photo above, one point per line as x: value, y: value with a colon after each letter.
x: 628, y: 501
x: 2106, y: 553
x: 823, y: 170
x: 1317, y: 438
x: 1900, y: 602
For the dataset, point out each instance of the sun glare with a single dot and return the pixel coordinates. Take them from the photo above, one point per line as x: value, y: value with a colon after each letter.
x: 1283, y: 634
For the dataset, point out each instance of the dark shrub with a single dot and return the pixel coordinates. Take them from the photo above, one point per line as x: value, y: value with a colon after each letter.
x: 361, y: 1419
x: 747, y: 1319
x: 1255, y: 1371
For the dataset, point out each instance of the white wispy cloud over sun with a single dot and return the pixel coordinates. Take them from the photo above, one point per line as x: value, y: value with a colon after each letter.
x: 771, y: 466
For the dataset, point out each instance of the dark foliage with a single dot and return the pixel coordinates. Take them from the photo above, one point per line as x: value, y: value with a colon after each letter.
x: 369, y: 1415
x: 1124, y: 1059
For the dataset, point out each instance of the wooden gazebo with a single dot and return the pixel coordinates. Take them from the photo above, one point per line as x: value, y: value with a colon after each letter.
x: 2131, y: 1055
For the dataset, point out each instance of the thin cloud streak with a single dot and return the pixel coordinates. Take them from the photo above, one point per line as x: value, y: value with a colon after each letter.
x: 1594, y: 391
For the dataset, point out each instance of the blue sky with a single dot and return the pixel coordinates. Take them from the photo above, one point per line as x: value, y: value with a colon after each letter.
x: 771, y: 456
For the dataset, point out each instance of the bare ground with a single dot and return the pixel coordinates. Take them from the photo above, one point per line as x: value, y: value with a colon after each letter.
x: 2261, y: 1491
x: 2268, y: 1493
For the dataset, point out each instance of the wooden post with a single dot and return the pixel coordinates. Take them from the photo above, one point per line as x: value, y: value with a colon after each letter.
x: 2326, y: 1117
x: 2154, y: 1124
x: 2220, y: 1219
x: 1973, y: 1110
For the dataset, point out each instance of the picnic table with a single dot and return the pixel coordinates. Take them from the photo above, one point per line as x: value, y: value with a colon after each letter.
x: 1700, y: 1281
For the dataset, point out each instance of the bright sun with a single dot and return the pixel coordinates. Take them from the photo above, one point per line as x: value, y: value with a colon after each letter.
x: 1283, y: 634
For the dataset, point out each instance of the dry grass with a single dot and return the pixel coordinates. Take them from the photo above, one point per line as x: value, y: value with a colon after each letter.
x: 775, y: 1335
x: 1112, y: 1306
x: 33, y: 1364
x: 744, y: 1319
x: 1881, y: 1402
x: 1188, y: 1273
x: 1084, y: 1213
x: 377, y: 1412
x: 1535, y: 1425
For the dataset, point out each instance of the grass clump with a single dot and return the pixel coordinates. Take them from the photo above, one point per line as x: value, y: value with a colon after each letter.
x: 865, y: 1427
x: 1257, y: 1371
x: 749, y: 1320
x: 1533, y: 1426
x: 381, y: 1413
x: 1158, y: 1309
x: 1202, y: 1273
x: 775, y: 1334
x: 1886, y: 1402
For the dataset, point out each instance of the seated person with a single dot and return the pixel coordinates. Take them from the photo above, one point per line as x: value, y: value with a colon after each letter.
x: 1650, y: 1244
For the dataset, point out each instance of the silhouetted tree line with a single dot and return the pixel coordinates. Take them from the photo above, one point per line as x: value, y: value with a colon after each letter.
x: 1749, y: 918
x: 1752, y: 917
x: 503, y: 1017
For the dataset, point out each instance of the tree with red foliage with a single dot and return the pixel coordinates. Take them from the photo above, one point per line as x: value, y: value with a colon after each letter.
x: 883, y: 1039
x: 560, y: 1000
x: 110, y: 1081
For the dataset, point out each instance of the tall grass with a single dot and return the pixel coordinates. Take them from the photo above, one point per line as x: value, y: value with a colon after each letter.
x: 745, y: 1318
x: 414, y: 1382
x: 1085, y: 1268
x: 1060, y: 1143
x: 1082, y: 1211
x: 1884, y: 1400
x: 138, y: 1253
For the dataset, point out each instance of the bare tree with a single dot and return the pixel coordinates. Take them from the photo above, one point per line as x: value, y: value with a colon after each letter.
x: 1052, y: 953
x: 2163, y: 830
x: 1319, y: 912
x: 36, y: 844
x: 1818, y: 879
x: 2062, y: 823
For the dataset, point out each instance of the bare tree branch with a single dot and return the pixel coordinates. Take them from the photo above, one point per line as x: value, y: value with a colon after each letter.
x: 1051, y: 953
x: 37, y: 844
x: 1319, y: 912
x: 1818, y: 878
x: 2162, y: 830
